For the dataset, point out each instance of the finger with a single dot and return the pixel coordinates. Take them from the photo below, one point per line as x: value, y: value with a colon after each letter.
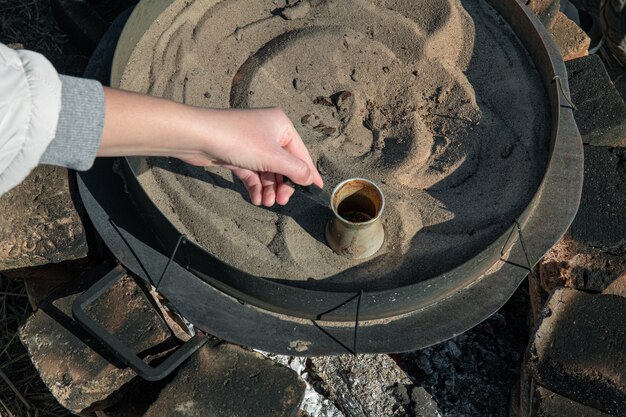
x: 252, y: 182
x: 297, y: 148
x: 283, y: 191
x: 268, y: 181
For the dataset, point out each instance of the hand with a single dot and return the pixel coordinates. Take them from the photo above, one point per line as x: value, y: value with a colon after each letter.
x: 260, y: 146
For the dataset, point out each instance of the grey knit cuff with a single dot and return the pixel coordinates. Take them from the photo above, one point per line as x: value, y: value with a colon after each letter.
x: 80, y: 126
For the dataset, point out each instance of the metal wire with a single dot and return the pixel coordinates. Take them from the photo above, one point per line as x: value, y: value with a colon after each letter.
x: 354, y: 350
x: 181, y: 239
x: 528, y: 266
x: 558, y: 80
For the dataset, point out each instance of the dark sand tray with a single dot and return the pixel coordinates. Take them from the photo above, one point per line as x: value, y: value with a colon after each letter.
x: 296, y: 316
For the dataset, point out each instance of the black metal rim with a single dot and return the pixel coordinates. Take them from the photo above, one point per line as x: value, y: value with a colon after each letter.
x: 304, y: 303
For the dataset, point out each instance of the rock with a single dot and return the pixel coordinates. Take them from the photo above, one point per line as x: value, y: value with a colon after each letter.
x: 39, y: 289
x: 423, y: 403
x: 601, y: 112
x: 42, y: 281
x: 571, y: 40
x: 617, y: 287
x: 600, y: 221
x: 76, y: 369
x: 138, y: 396
x: 537, y: 293
x: 549, y: 404
x: 39, y: 223
x: 546, y: 10
x: 593, y: 253
x: 229, y: 381
x: 571, y: 263
x: 577, y: 350
x: 369, y: 386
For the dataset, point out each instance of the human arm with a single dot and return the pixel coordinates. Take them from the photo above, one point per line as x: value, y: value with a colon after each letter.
x: 51, y: 119
x: 260, y: 146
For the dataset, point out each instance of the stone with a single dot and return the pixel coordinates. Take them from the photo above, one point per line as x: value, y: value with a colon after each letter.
x: 578, y: 349
x: 600, y: 221
x: 546, y: 10
x: 227, y: 380
x: 39, y: 223
x: 137, y: 398
x: 571, y: 40
x: 601, y: 112
x: 423, y: 403
x: 42, y: 281
x: 571, y: 263
x: 549, y: 404
x: 79, y: 372
x: 537, y: 294
x: 617, y: 287
x: 593, y: 253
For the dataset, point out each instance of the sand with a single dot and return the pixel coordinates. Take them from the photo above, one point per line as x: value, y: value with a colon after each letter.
x: 434, y: 100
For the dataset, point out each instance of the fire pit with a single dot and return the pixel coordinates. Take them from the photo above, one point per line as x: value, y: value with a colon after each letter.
x: 465, y: 127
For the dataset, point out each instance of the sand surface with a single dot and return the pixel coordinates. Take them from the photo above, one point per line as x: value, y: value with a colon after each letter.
x: 435, y: 100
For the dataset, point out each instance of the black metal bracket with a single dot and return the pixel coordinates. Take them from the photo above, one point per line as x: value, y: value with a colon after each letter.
x: 118, y: 348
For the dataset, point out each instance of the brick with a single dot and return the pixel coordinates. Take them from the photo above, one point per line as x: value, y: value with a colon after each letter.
x: 601, y: 112
x: 577, y: 350
x: 571, y: 40
x: 39, y: 223
x: 78, y: 371
x: 229, y: 381
x: 549, y: 404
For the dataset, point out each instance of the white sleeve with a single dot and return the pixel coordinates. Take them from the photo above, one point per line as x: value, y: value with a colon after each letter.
x: 30, y: 103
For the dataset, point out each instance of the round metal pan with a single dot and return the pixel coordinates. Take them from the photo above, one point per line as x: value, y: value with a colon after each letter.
x: 264, y: 314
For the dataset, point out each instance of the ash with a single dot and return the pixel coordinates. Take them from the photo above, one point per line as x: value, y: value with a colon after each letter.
x: 472, y: 375
x: 476, y: 373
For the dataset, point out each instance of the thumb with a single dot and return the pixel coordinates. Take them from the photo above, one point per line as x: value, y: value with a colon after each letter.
x: 284, y: 163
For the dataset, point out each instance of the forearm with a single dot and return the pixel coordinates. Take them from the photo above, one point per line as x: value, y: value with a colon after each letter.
x: 140, y: 125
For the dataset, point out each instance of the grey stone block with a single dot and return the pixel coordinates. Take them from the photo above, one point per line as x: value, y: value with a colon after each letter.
x: 601, y: 219
x: 601, y: 112
x: 229, y: 381
x: 578, y: 349
x: 80, y: 373
x: 39, y: 223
